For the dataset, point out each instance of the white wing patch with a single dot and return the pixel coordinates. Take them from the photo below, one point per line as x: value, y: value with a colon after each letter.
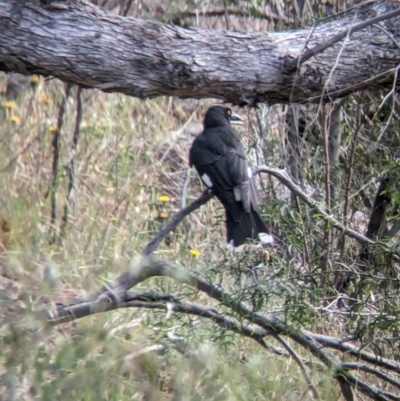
x: 237, y: 195
x: 206, y: 179
x: 249, y: 172
x: 266, y: 238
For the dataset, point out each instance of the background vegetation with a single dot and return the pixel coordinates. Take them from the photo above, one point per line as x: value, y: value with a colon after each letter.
x: 88, y: 178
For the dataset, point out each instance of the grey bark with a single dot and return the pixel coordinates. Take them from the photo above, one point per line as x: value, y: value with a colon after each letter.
x: 82, y: 44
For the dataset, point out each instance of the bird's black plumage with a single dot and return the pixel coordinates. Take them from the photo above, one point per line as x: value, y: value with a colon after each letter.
x: 220, y: 160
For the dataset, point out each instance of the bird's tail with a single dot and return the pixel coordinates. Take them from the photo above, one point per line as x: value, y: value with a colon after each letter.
x: 255, y: 198
x: 250, y: 226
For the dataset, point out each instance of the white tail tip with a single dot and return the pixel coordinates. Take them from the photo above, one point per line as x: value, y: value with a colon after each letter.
x: 266, y: 238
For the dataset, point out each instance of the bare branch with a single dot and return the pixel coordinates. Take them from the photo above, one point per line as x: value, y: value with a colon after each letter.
x: 368, y: 369
x: 338, y: 37
x: 285, y: 179
x: 55, y: 168
x: 350, y: 349
x: 176, y: 219
x: 71, y: 167
x: 271, y: 325
x: 299, y: 362
x: 349, y: 172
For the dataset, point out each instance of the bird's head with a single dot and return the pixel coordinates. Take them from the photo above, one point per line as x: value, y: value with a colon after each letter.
x: 219, y: 115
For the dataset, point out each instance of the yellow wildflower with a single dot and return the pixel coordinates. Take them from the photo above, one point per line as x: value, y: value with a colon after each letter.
x: 163, y: 215
x: 45, y: 99
x: 9, y: 104
x: 34, y: 79
x: 52, y: 128
x: 113, y: 218
x: 14, y: 119
x: 164, y: 198
x: 195, y: 252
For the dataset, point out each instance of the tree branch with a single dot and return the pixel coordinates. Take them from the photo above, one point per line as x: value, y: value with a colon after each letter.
x: 270, y: 325
x: 352, y: 350
x: 55, y: 167
x: 299, y: 362
x: 368, y: 369
x: 285, y: 179
x: 71, y: 167
x: 308, y: 54
x: 67, y: 39
x: 176, y: 219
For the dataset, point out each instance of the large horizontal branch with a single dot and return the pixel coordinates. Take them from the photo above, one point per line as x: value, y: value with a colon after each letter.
x: 85, y: 45
x: 154, y: 300
x: 270, y: 325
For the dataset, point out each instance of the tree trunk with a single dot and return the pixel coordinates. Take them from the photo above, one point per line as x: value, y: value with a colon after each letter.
x: 82, y: 44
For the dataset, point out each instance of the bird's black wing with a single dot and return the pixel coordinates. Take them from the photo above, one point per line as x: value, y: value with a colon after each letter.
x: 219, y: 154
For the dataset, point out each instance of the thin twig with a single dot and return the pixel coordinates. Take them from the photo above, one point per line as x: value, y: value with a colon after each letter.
x: 185, y: 185
x: 392, y: 94
x: 354, y: 87
x: 228, y: 27
x: 127, y: 7
x: 338, y: 37
x: 327, y: 240
x: 56, y: 155
x: 350, y: 349
x: 294, y: 355
x: 306, y: 258
x: 71, y: 169
x: 349, y: 176
x: 368, y: 369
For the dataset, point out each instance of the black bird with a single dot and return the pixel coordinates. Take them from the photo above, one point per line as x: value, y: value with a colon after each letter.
x: 220, y: 160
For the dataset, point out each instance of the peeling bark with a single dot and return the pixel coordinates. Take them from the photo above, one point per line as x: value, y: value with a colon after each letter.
x: 82, y: 44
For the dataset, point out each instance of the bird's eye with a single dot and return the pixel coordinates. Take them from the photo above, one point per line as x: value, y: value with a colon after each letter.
x: 229, y: 112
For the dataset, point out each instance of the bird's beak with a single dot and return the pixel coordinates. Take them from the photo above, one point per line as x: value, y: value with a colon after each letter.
x: 235, y: 119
